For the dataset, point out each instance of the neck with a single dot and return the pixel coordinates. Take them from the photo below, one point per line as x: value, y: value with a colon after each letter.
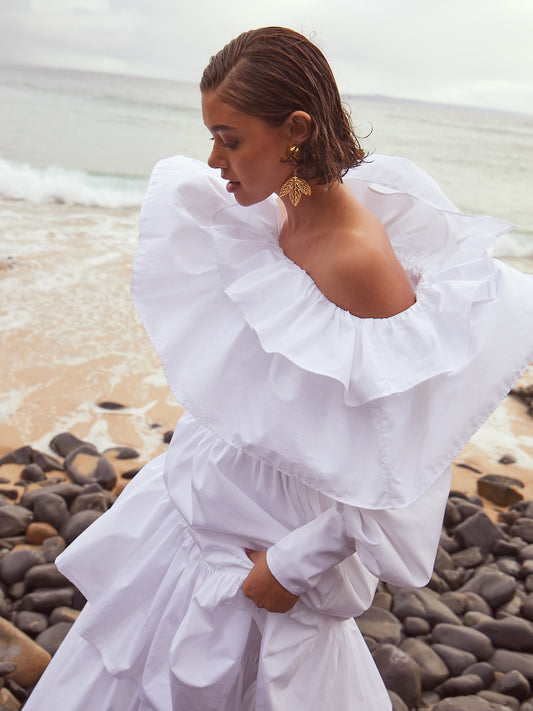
x: 321, y: 206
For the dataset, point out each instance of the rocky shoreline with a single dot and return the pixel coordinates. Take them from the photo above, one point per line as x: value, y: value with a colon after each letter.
x: 462, y: 643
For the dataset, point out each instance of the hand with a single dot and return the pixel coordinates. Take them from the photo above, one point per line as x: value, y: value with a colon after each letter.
x: 263, y: 588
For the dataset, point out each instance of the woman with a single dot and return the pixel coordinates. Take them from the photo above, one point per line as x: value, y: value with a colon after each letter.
x: 328, y: 379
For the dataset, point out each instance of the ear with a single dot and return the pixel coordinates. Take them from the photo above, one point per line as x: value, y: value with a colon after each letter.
x: 299, y: 125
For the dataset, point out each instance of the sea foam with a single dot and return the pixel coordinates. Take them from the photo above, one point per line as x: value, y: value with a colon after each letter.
x: 20, y: 181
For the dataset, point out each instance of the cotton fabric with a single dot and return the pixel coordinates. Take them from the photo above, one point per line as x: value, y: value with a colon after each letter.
x: 321, y: 437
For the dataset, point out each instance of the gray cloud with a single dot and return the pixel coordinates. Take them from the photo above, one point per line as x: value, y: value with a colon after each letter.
x: 463, y: 51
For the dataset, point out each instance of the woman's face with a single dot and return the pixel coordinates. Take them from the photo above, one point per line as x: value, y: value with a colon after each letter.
x: 247, y: 150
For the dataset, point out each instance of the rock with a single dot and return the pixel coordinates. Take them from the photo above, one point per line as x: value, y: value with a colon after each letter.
x: 527, y: 607
x: 110, y: 405
x: 89, y: 502
x: 17, y: 590
x: 8, y: 702
x: 32, y: 623
x: 478, y: 530
x: 382, y: 600
x: 122, y: 453
x: 381, y: 625
x: 432, y: 669
x: 77, y: 524
x: 50, y: 508
x: 523, y: 528
x: 167, y: 436
x: 32, y: 472
x: 455, y: 659
x: 6, y: 668
x: 475, y: 603
x: 503, y: 547
x: 14, y: 520
x: 454, y: 578
x: 46, y: 462
x: 500, y: 701
x: 525, y: 553
x: 52, y: 637
x: 64, y: 614
x: 14, y: 565
x: 468, y: 557
x: 4, y: 606
x: 400, y: 673
x: 443, y: 561
x: 494, y: 587
x: 504, y: 660
x: 464, y: 638
x: 501, y: 490
x: 9, y: 493
x: 85, y: 465
x: 45, y: 576
x: 22, y: 455
x: 421, y: 602
x: 483, y: 670
x: 460, y: 685
x: 509, y: 566
x: 416, y: 626
x: 38, y: 531
x: 513, y: 607
x: 47, y: 600
x: 52, y: 547
x: 465, y: 703
x: 64, y: 443
x: 455, y: 601
x: 66, y: 491
x: 513, y: 683
x: 17, y: 647
x: 397, y: 703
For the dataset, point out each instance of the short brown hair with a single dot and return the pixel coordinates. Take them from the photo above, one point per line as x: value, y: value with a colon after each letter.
x: 273, y: 71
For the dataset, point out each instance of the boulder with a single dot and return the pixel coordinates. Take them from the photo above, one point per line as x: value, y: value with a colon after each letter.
x: 17, y: 647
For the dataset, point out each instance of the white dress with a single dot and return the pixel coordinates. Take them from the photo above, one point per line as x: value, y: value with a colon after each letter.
x: 321, y: 437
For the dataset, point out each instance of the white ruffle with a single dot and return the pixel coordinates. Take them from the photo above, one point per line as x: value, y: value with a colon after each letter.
x: 368, y: 411
x: 183, y: 632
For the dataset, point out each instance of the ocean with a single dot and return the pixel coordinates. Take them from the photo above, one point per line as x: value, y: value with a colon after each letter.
x: 76, y: 150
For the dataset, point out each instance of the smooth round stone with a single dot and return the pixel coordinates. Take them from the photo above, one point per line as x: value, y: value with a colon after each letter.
x: 455, y: 659
x: 469, y: 557
x: 500, y: 701
x: 31, y: 659
x: 65, y: 491
x: 45, y: 576
x: 464, y: 638
x: 14, y: 565
x: 513, y: 607
x: 523, y: 528
x: 7, y: 668
x: 78, y: 523
x: 448, y: 543
x: 463, y: 685
x: 64, y: 614
x: 381, y: 625
x: 475, y: 603
x: 443, y: 561
x: 89, y: 502
x: 416, y: 626
x: 526, y: 553
x: 509, y: 566
x: 14, y: 520
x: 52, y: 637
x: 483, y: 670
x: 382, y: 600
x: 421, y: 602
x: 513, y: 683
x: 456, y: 601
x: 32, y: 472
x: 46, y: 600
x: 478, y: 530
x: 32, y: 623
x: 505, y: 660
x: 494, y: 587
x: 397, y: 702
x: 433, y: 670
x: 52, y: 547
x: 38, y: 531
x: 527, y: 607
x: 400, y: 673
x: 509, y: 632
x: 465, y: 703
x: 51, y: 508
x: 64, y: 443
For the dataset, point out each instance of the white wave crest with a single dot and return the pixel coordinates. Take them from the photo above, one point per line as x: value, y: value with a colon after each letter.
x: 72, y: 187
x: 514, y: 244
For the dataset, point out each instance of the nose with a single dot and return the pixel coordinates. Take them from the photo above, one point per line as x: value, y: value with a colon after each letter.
x: 216, y: 159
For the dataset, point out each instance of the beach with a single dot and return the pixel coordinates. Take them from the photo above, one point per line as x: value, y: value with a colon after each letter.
x: 75, y: 357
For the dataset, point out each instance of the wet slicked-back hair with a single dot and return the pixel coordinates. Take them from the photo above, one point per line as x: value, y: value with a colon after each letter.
x: 273, y: 71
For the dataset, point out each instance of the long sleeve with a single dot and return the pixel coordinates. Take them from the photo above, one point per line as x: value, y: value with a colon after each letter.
x: 396, y: 545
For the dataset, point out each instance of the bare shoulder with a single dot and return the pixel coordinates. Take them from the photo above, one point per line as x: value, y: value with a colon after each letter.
x: 362, y: 274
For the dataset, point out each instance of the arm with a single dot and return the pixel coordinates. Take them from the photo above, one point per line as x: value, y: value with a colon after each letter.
x: 397, y: 546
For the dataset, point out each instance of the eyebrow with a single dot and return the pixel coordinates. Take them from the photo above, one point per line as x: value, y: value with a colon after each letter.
x: 221, y: 127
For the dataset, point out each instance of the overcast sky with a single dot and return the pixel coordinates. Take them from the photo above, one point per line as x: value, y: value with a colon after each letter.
x: 474, y: 52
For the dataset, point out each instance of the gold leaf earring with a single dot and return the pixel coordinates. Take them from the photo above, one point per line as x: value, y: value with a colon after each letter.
x: 294, y: 187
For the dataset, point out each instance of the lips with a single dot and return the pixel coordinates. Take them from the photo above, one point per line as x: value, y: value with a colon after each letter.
x: 231, y: 186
